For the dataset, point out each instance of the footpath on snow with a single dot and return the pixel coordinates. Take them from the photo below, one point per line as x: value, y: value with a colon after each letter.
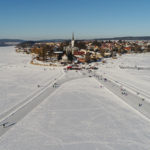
x: 134, y: 100
x: 12, y: 116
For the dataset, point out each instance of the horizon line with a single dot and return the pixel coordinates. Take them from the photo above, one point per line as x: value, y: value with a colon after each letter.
x: 75, y: 38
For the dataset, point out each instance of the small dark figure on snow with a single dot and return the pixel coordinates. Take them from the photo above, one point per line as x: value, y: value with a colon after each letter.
x: 4, y: 125
x: 54, y: 85
x: 140, y: 105
x: 105, y: 79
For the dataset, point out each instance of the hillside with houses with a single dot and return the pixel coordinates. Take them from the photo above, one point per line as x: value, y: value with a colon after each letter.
x: 85, y: 51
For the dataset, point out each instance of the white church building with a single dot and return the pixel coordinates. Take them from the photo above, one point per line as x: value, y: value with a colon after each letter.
x: 71, y: 48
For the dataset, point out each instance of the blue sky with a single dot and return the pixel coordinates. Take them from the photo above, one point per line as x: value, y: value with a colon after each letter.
x: 53, y: 19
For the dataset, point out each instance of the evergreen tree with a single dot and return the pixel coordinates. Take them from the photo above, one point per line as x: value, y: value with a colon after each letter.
x: 87, y: 57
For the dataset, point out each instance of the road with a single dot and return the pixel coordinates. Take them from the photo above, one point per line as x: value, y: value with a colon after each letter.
x: 18, y: 112
x: 142, y: 93
x: 21, y: 110
x: 139, y: 104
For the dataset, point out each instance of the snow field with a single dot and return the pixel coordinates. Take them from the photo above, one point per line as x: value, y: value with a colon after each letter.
x: 80, y: 115
x: 133, y: 79
x: 19, y: 79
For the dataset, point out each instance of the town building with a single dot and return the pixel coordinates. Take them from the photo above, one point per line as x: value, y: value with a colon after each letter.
x: 71, y: 48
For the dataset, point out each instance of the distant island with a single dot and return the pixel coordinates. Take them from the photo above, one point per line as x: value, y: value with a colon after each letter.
x: 10, y: 42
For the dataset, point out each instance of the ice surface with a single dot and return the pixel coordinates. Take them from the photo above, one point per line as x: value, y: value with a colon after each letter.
x: 19, y: 79
x: 80, y: 115
x: 137, y: 80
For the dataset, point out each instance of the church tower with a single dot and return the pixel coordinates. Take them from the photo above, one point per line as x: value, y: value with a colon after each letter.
x: 72, y: 42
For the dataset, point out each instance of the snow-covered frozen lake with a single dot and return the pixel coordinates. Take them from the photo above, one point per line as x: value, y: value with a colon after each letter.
x: 19, y: 79
x: 79, y: 115
x: 134, y: 79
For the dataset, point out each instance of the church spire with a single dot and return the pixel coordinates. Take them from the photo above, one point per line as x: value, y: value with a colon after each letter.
x: 73, y: 36
x: 72, y: 42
